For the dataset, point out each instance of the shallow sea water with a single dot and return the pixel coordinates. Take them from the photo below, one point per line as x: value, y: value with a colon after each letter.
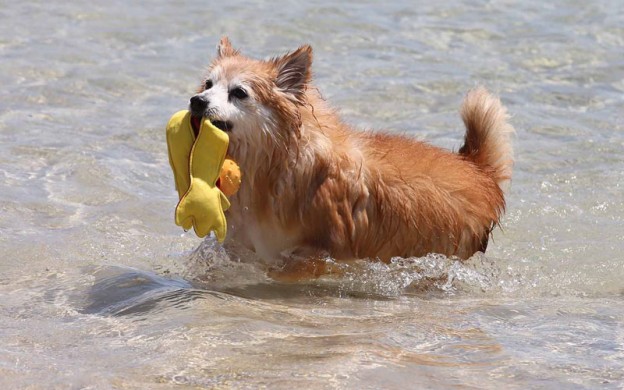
x: 99, y: 288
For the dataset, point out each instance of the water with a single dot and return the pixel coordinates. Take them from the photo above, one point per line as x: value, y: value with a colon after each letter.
x: 101, y: 290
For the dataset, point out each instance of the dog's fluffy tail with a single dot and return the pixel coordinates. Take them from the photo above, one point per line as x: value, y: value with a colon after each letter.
x: 488, y: 134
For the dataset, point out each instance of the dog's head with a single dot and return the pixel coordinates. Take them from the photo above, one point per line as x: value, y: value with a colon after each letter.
x: 255, y: 101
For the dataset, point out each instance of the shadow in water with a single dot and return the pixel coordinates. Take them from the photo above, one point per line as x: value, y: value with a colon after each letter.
x: 125, y: 291
x: 305, y: 290
x: 122, y: 291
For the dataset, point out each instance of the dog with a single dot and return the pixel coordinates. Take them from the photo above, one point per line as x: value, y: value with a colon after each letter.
x: 313, y: 186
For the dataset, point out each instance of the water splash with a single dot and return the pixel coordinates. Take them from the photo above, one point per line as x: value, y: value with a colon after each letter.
x: 431, y: 274
x: 212, y: 266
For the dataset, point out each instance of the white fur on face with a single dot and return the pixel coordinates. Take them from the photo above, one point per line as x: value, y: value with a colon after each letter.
x: 254, y: 130
x: 252, y: 122
x: 245, y: 114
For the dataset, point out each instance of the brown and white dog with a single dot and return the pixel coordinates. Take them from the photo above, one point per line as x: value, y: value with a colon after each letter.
x: 313, y: 185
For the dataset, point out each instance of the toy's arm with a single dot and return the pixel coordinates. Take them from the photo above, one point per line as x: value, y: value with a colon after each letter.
x: 180, y: 140
x: 196, y: 165
x: 203, y: 204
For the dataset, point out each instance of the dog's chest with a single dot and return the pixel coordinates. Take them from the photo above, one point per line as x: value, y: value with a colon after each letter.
x: 265, y: 237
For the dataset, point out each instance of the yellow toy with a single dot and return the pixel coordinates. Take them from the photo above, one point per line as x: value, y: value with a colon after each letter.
x: 199, y: 167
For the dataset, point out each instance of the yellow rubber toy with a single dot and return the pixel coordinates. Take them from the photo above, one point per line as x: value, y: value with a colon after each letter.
x: 197, y: 165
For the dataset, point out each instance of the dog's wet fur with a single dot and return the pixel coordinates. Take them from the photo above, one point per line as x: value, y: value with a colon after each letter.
x: 313, y: 186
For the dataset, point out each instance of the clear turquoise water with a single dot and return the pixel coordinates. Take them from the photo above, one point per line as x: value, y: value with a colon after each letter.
x: 101, y: 290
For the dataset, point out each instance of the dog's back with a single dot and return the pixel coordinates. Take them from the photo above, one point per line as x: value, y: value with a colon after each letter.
x: 382, y: 195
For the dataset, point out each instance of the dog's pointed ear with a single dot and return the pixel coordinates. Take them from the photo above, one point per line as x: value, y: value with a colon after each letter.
x: 293, y: 71
x: 225, y: 49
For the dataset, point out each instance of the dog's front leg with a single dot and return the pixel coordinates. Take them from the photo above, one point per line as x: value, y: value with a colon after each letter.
x: 304, y: 263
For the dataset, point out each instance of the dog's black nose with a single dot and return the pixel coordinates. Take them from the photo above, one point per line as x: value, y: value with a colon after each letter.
x: 198, y: 104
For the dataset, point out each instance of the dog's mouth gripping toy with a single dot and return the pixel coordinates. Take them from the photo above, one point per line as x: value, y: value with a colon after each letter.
x: 204, y: 177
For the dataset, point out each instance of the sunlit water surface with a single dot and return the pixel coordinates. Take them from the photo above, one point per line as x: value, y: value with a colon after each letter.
x: 100, y: 289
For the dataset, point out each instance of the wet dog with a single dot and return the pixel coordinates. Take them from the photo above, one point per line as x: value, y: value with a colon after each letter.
x: 313, y: 186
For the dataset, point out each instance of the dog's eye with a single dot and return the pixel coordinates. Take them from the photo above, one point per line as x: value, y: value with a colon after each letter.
x: 208, y: 84
x: 239, y: 93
